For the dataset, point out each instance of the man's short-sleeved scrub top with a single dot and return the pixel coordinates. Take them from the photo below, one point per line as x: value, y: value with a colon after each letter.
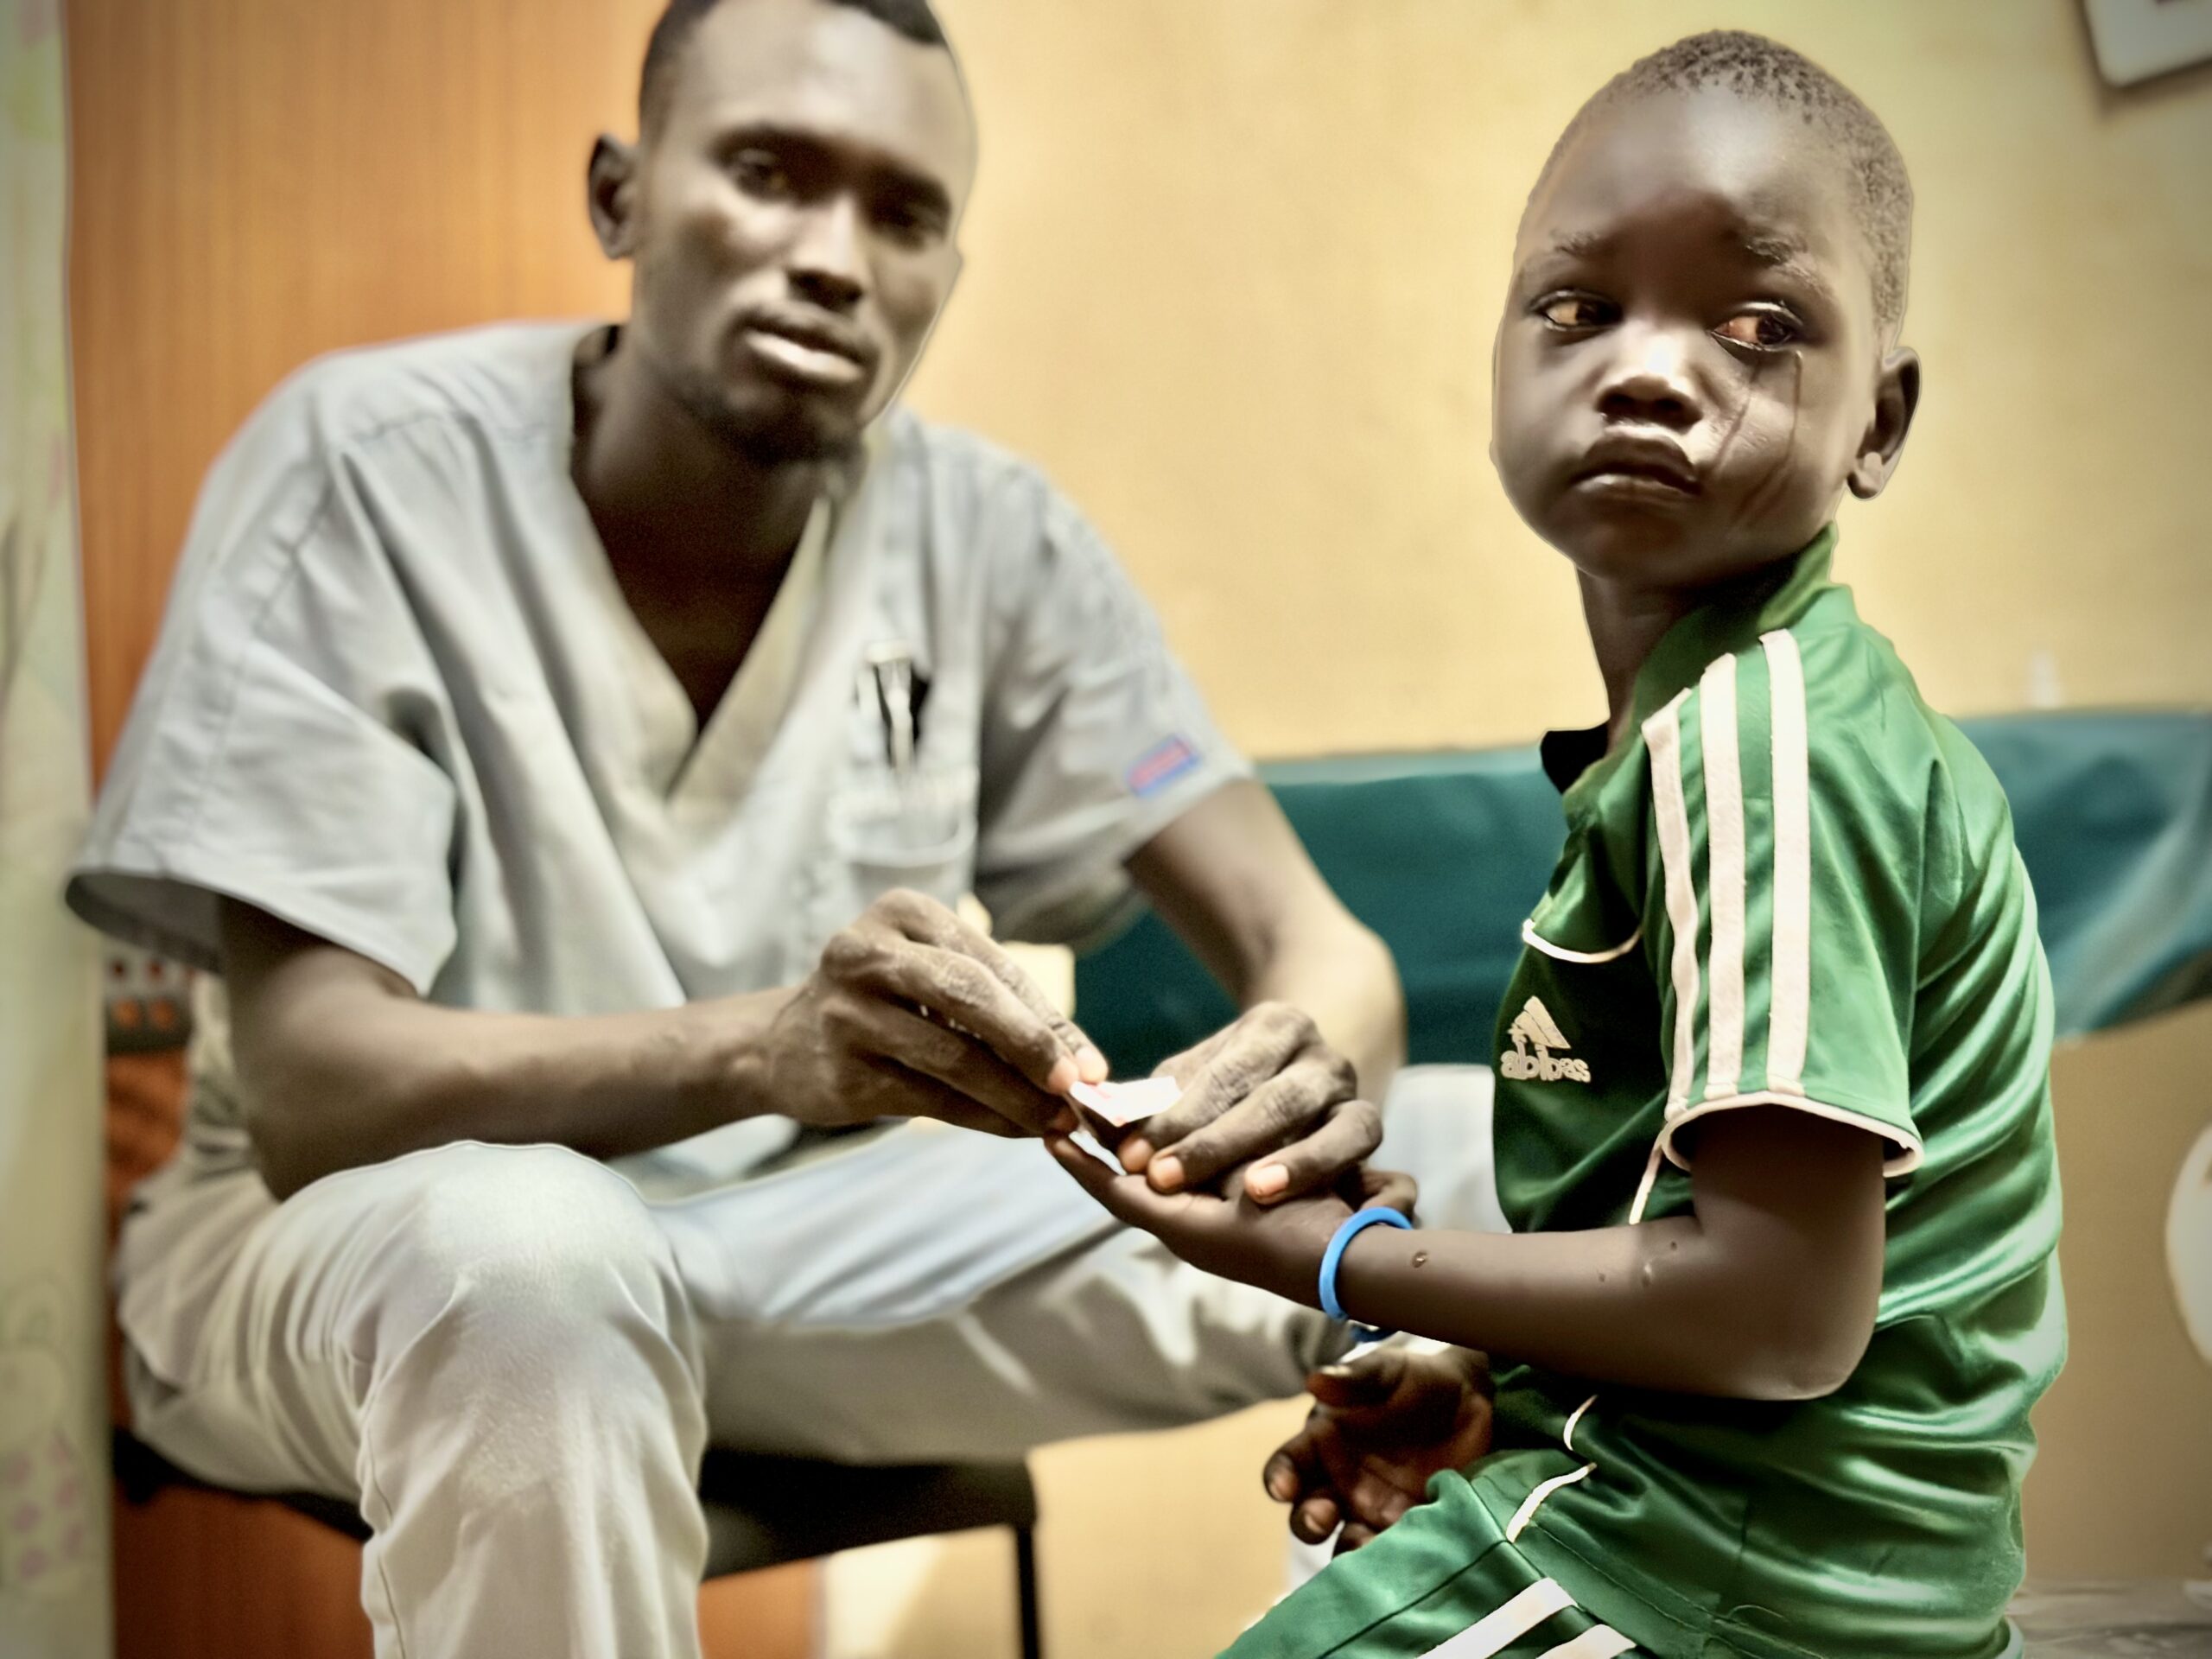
x: 400, y: 701
x: 1793, y: 887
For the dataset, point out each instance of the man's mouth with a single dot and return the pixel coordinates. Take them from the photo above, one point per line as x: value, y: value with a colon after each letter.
x: 1654, y: 464
x: 819, y: 353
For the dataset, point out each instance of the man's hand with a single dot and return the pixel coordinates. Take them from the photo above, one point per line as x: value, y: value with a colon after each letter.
x: 914, y: 1014
x: 1268, y: 1092
x: 1381, y: 1426
x: 1278, y: 1247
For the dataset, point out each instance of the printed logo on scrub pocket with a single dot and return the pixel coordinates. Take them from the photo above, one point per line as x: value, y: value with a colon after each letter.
x: 1533, y: 1029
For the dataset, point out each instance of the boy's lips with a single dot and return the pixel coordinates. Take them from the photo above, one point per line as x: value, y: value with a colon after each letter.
x: 1624, y: 461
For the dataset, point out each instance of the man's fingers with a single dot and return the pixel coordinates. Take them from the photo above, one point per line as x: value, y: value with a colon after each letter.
x: 925, y: 1096
x: 1271, y: 1115
x: 1314, y: 1519
x: 1256, y: 1048
x: 932, y: 924
x: 961, y: 1064
x: 1346, y: 1137
x: 954, y: 987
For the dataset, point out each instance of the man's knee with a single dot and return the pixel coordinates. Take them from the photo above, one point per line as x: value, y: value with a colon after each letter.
x: 530, y: 1246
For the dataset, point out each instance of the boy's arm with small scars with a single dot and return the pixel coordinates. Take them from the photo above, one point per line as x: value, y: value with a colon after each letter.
x: 1765, y: 1290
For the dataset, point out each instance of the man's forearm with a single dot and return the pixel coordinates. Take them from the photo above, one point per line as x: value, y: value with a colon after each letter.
x: 911, y: 1013
x: 1342, y: 975
x: 345, y: 1078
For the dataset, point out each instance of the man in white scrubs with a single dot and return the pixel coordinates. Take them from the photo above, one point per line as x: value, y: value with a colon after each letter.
x: 568, y: 744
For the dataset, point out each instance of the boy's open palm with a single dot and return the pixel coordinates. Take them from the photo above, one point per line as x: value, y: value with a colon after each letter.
x: 1278, y: 1247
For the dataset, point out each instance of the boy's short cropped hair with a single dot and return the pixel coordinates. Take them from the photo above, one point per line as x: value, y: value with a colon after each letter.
x: 1753, y: 67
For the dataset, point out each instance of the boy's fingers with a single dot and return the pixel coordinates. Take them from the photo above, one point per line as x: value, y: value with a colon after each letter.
x: 1354, y: 1536
x: 1314, y: 1519
x: 1295, y: 1470
x: 1125, y: 1197
x: 1366, y: 1381
x: 1391, y: 1189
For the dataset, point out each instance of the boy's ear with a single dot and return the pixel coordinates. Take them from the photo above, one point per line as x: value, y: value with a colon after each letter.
x: 1895, y: 399
x: 612, y: 195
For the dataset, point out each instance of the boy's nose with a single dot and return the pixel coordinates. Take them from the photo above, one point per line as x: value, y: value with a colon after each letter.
x: 1650, y: 379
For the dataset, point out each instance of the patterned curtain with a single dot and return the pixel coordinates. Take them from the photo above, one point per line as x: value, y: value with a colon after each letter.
x: 53, y: 1578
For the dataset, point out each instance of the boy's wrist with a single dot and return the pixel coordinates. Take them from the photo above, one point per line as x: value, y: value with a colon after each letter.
x: 1359, y: 1235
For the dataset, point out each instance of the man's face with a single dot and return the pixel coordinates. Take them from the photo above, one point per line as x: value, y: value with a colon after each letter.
x: 796, y: 221
x: 1689, y: 364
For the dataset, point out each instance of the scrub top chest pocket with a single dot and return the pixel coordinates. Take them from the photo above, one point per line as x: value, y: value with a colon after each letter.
x: 904, y: 812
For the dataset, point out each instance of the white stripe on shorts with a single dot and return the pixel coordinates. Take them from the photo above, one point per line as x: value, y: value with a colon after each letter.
x: 1598, y: 1642
x: 1502, y: 1629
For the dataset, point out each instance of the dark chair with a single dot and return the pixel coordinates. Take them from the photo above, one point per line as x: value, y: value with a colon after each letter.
x: 762, y: 1511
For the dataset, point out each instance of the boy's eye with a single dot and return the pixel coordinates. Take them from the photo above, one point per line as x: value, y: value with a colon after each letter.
x: 1761, y: 330
x: 1572, y: 311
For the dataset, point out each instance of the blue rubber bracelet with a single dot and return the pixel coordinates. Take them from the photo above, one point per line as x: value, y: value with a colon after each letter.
x: 1353, y: 1227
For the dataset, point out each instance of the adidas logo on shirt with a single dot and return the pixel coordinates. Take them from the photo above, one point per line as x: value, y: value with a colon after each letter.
x: 1534, y: 1028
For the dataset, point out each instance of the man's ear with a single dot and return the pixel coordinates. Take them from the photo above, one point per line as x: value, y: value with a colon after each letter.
x: 1895, y: 401
x: 612, y: 195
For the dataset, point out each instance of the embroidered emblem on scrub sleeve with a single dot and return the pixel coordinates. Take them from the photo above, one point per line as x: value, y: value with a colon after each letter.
x: 1161, y: 765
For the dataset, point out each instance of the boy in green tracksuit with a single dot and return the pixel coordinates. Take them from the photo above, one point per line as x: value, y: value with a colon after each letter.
x: 1773, y: 1124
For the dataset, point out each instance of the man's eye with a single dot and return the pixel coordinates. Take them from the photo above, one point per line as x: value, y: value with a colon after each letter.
x: 1577, y: 311
x: 1761, y: 330
x: 909, y: 226
x: 758, y: 172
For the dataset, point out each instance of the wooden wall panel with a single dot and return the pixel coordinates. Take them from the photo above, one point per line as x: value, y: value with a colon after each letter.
x: 256, y: 181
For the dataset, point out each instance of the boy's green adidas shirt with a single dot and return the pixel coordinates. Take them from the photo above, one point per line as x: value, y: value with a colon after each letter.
x: 1796, y: 887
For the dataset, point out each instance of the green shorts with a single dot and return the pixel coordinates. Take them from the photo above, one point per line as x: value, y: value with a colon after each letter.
x: 1443, y: 1582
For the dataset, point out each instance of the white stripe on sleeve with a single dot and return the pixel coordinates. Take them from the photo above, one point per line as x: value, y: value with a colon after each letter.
x: 1792, y: 971
x: 1723, y: 829
x: 1663, y: 735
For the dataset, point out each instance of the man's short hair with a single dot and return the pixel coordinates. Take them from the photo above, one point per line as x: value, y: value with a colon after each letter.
x: 912, y: 18
x: 1753, y: 67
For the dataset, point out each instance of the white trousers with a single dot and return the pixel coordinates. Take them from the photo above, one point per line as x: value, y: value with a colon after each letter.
x: 514, y: 1362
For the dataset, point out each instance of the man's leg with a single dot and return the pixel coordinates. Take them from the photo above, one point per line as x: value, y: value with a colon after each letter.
x: 491, y: 1349
x: 941, y: 1295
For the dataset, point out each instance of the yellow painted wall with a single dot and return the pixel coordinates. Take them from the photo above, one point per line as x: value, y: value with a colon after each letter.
x: 1236, y: 264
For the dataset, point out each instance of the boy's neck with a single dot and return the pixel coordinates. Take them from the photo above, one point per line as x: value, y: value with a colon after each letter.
x: 1627, y: 622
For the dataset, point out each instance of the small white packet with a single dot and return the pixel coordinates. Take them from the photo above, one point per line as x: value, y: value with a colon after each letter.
x: 1124, y: 1103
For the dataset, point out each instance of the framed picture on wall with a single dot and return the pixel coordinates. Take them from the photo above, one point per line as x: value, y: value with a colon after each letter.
x: 2136, y: 40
